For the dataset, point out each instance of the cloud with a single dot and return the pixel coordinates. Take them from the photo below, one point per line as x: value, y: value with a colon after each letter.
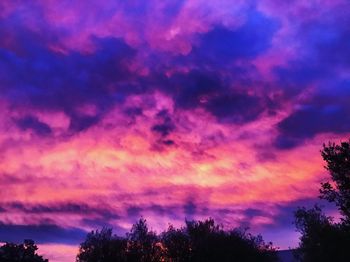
x: 326, y: 111
x: 236, y: 108
x: 222, y: 45
x: 40, y: 78
x: 32, y: 123
x: 314, y: 79
x: 41, y: 233
x: 61, y: 208
x: 166, y: 125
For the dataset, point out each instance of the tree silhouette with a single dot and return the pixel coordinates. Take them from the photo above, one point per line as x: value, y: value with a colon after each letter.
x: 337, y: 158
x: 25, y: 252
x: 143, y: 244
x: 209, y: 242
x: 177, y: 244
x: 322, y: 239
x: 102, y: 246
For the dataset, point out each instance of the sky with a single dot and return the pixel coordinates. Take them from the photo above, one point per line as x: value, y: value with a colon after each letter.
x: 170, y: 110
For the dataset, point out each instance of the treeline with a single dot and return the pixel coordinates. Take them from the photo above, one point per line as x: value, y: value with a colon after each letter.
x: 322, y: 239
x: 196, y: 241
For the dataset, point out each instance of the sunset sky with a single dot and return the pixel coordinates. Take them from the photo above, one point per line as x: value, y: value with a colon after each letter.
x: 113, y: 110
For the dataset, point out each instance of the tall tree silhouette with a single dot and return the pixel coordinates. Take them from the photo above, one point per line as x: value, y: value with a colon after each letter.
x: 321, y: 238
x: 337, y: 158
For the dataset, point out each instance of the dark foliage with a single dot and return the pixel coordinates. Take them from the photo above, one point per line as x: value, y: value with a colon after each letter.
x: 321, y: 238
x: 337, y: 158
x: 197, y: 241
x: 25, y: 252
x: 177, y: 244
x: 102, y: 246
x: 209, y: 242
x: 143, y: 244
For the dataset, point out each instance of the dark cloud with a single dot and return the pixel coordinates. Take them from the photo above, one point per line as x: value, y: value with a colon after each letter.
x: 214, y: 93
x: 253, y: 212
x: 221, y: 44
x: 33, y: 75
x: 13, y: 179
x: 297, y: 76
x: 163, y: 129
x: 235, y: 108
x: 285, y: 215
x: 310, y: 121
x: 323, y: 49
x: 190, y: 209
x: 168, y: 142
x: 209, y: 85
x: 96, y: 223
x: 319, y: 64
x: 80, y: 123
x: 190, y: 90
x: 65, y: 208
x: 328, y: 38
x: 133, y: 111
x: 134, y: 211
x: 137, y: 211
x: 44, y: 233
x: 326, y: 111
x: 32, y: 123
x: 165, y: 125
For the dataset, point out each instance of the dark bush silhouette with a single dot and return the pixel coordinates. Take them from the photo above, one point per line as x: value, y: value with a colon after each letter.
x: 25, y: 252
x: 197, y: 241
x: 321, y: 238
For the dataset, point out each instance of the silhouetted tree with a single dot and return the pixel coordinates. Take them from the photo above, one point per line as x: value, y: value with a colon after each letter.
x: 143, y: 244
x: 209, y: 242
x: 177, y: 244
x: 197, y: 241
x: 102, y: 246
x: 25, y: 252
x: 337, y: 158
x: 322, y: 239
